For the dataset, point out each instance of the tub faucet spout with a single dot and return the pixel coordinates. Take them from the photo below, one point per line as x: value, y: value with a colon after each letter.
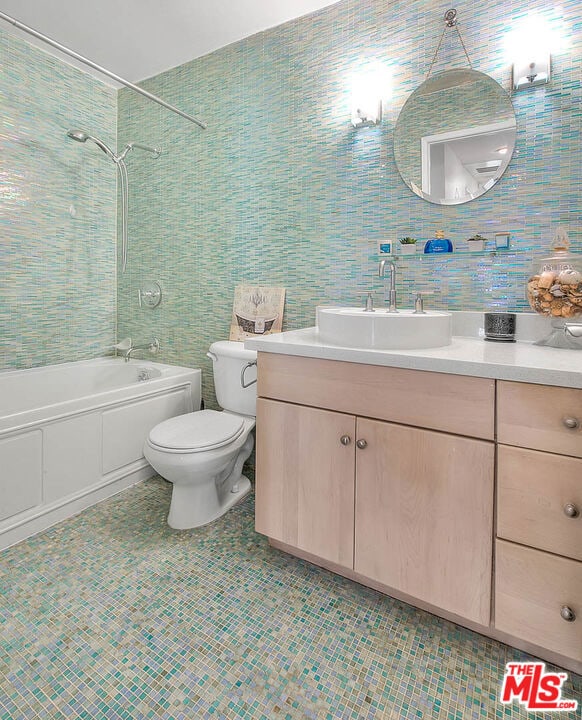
x: 391, y: 293
x: 153, y: 346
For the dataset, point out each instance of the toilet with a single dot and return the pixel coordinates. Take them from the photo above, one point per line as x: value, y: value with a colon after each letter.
x: 202, y: 453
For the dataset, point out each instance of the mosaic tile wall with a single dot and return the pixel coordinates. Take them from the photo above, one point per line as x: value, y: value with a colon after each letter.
x: 281, y: 190
x: 57, y: 211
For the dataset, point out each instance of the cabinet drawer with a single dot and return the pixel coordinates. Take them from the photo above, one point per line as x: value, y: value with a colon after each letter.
x: 540, y: 417
x: 531, y: 588
x: 438, y: 401
x: 538, y: 496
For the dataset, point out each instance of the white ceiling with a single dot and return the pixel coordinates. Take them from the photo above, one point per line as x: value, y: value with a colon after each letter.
x: 137, y: 39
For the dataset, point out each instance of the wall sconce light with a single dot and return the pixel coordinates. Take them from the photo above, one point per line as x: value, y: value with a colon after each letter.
x: 530, y: 43
x: 370, y: 85
x: 367, y: 116
x: 532, y: 72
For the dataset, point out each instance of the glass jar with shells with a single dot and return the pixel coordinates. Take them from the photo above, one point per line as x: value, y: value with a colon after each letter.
x: 555, y: 290
x: 555, y: 287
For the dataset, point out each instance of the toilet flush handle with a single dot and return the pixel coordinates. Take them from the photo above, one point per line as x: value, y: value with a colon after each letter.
x: 212, y: 356
x: 243, y: 383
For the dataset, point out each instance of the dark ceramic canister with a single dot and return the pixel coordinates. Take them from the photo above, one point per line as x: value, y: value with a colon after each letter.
x: 500, y: 326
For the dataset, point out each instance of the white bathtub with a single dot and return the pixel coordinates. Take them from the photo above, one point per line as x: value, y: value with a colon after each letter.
x: 72, y: 435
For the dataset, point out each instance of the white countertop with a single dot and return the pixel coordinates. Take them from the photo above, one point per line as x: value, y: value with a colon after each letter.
x: 519, y: 361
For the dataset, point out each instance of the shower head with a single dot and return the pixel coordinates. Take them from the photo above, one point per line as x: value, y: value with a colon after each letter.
x: 77, y: 135
x: 81, y: 136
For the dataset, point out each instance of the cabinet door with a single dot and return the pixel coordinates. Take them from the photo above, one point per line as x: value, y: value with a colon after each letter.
x: 424, y: 515
x: 305, y: 479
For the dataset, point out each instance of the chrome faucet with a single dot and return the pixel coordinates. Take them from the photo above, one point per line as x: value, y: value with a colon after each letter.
x: 391, y: 299
x: 152, y: 346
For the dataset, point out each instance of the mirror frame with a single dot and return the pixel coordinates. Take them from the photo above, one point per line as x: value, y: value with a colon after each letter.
x: 486, y: 124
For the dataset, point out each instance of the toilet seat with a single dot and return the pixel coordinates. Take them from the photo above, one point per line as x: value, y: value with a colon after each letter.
x: 197, y: 432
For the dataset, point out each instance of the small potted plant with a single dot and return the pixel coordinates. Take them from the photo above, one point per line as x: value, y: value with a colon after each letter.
x: 408, y: 245
x: 476, y: 243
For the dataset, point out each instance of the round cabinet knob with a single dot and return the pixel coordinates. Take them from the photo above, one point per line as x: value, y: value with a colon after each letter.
x: 362, y: 444
x: 571, y: 511
x: 571, y: 423
x: 567, y: 614
x: 345, y: 439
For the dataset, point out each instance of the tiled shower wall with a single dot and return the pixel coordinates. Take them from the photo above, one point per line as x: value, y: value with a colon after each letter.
x: 280, y: 190
x: 57, y: 211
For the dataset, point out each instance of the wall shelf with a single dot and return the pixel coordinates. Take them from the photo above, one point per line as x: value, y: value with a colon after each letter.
x: 461, y: 253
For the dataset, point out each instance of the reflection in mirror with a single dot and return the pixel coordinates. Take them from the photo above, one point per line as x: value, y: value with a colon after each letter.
x: 454, y: 137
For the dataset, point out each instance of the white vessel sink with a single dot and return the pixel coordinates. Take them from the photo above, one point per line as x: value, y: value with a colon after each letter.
x: 404, y: 330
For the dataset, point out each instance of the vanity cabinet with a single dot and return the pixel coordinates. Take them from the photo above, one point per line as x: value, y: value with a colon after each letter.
x: 370, y: 468
x: 538, y: 578
x: 386, y: 476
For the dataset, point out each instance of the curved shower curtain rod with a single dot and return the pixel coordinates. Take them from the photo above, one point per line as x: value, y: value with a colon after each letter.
x: 91, y: 64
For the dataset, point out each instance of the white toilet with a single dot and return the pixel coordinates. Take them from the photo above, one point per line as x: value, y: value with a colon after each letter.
x: 202, y: 453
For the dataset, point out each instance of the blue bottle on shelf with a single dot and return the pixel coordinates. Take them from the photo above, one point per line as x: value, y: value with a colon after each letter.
x: 439, y: 244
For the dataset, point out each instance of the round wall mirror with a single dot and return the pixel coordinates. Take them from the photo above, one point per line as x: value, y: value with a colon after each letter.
x: 454, y: 136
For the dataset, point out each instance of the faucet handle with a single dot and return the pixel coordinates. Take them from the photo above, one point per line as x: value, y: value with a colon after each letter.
x: 123, y: 345
x: 369, y: 295
x: 419, y: 302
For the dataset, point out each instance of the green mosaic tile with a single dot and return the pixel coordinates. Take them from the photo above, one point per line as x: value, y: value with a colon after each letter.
x: 112, y: 614
x: 57, y: 212
x: 281, y: 190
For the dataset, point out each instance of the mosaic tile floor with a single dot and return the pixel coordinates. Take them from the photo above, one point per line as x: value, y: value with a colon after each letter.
x: 114, y: 615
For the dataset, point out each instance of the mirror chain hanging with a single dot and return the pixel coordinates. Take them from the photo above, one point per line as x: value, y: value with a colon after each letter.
x: 450, y: 22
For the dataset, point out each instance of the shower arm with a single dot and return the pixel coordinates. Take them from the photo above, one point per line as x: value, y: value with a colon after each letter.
x: 91, y: 64
x: 156, y: 152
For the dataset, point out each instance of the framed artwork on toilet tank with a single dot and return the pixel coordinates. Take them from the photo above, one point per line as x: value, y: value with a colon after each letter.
x: 256, y: 311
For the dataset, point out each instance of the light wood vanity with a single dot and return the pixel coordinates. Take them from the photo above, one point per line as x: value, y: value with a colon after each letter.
x: 461, y: 495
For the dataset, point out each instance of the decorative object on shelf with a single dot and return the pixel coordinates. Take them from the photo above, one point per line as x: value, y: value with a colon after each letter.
x: 407, y: 246
x: 384, y: 247
x: 474, y: 112
x: 256, y: 311
x: 439, y: 244
x: 502, y: 240
x: 476, y: 243
x: 500, y: 326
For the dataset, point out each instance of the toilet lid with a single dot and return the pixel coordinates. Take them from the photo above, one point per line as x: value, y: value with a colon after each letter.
x: 202, y: 430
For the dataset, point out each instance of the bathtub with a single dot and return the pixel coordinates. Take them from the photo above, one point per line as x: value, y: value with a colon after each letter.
x: 72, y: 435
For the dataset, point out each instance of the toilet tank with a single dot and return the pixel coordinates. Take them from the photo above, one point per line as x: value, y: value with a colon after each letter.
x: 229, y: 359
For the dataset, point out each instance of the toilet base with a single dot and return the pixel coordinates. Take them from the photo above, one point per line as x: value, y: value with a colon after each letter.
x: 184, y: 498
